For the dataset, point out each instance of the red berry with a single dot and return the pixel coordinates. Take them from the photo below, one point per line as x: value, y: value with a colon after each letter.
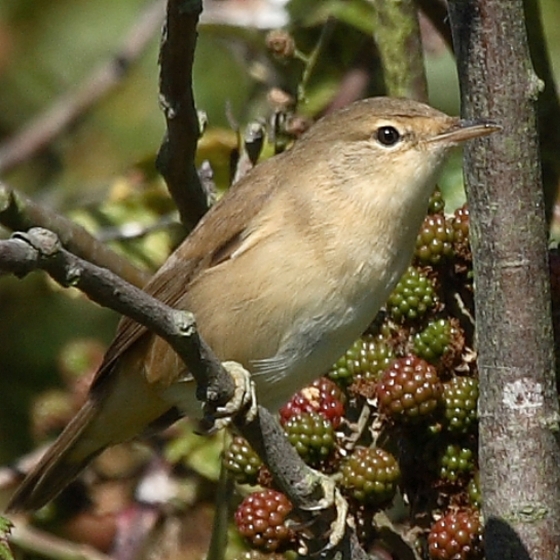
x: 260, y: 518
x: 409, y: 390
x: 322, y: 396
x: 456, y: 536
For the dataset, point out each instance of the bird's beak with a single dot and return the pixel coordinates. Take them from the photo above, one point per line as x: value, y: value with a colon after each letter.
x: 463, y: 130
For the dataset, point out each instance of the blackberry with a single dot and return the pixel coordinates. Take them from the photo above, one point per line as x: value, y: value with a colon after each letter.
x: 413, y: 296
x: 280, y: 43
x: 434, y: 242
x: 437, y: 203
x: 473, y: 491
x: 261, y: 519
x: 409, y: 390
x: 456, y: 463
x: 460, y: 397
x: 456, y: 536
x: 460, y: 225
x: 365, y: 359
x: 435, y: 340
x: 312, y: 435
x: 322, y: 396
x: 242, y: 461
x: 370, y: 475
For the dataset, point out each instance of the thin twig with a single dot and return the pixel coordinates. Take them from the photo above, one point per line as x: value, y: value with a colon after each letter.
x: 46, y: 545
x: 175, y: 159
x: 44, y: 128
x: 19, y: 213
x: 313, y: 58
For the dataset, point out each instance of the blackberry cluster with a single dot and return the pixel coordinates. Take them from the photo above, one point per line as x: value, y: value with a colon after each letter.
x: 435, y: 240
x: 322, y: 396
x: 409, y: 390
x: 456, y: 462
x: 456, y: 536
x: 242, y: 461
x: 370, y: 476
x: 460, y: 225
x: 460, y: 397
x: 435, y: 340
x: 365, y: 359
x: 312, y: 435
x: 409, y: 385
x: 261, y: 519
x: 414, y: 295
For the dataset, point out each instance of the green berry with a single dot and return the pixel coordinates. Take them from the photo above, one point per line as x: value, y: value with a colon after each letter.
x: 370, y: 475
x: 410, y: 390
x: 460, y: 397
x: 473, y: 490
x: 437, y: 203
x: 413, y: 296
x: 434, y: 242
x: 242, y: 461
x: 365, y: 359
x: 312, y: 435
x: 456, y: 463
x: 434, y: 341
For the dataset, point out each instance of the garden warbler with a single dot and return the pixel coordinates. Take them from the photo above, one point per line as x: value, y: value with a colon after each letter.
x: 283, y: 274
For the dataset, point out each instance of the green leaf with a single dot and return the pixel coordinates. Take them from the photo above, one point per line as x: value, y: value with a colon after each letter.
x: 5, y: 529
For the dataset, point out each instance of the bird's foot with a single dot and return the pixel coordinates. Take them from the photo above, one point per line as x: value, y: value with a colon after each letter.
x: 243, y: 401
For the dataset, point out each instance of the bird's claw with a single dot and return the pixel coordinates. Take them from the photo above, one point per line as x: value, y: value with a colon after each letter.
x: 244, y: 401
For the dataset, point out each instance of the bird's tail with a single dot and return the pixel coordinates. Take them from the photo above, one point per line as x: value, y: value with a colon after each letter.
x: 62, y: 462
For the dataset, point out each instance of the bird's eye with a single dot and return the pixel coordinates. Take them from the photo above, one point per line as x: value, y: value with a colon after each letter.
x: 388, y: 135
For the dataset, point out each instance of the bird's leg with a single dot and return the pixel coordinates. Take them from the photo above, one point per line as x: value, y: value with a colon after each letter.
x: 243, y: 401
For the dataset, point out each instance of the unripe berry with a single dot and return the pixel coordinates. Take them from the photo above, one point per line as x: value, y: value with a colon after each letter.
x: 410, y: 390
x: 260, y: 518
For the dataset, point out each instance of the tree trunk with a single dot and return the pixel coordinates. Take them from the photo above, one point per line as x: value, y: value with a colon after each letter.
x: 519, y: 453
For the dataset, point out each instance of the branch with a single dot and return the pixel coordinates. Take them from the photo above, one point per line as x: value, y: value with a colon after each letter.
x: 518, y: 405
x: 19, y: 213
x: 44, y: 128
x: 548, y: 106
x: 397, y: 36
x: 41, y: 249
x: 175, y: 159
x: 45, y: 545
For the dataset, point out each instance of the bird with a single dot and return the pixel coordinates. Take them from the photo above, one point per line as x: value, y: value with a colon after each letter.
x: 282, y: 274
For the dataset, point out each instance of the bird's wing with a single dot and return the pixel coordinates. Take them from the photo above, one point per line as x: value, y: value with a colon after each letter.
x: 214, y: 240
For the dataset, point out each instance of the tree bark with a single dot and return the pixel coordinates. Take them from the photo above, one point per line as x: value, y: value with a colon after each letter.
x: 518, y: 407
